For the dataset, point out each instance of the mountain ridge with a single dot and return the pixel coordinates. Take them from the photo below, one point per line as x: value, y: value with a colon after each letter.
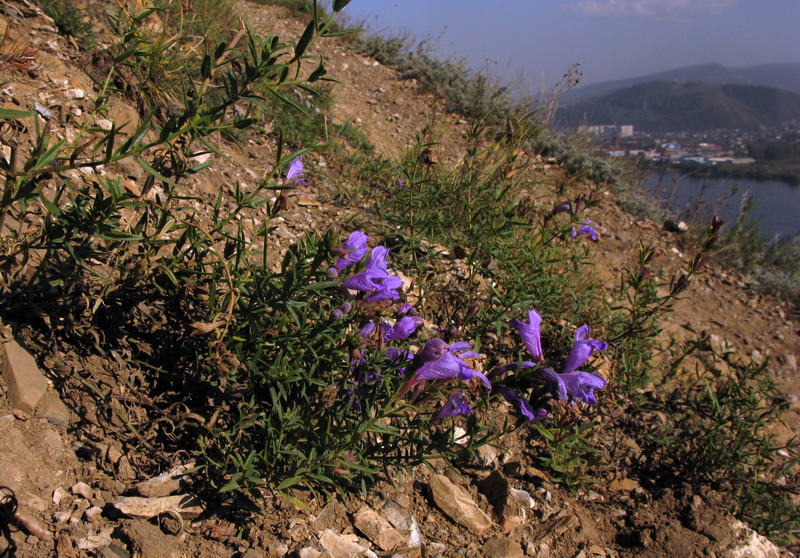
x: 661, y: 106
x: 778, y: 75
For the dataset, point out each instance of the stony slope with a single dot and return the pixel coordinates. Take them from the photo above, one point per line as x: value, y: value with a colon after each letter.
x: 45, y: 463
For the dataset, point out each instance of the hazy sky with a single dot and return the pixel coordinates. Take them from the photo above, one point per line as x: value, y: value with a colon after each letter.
x: 612, y: 39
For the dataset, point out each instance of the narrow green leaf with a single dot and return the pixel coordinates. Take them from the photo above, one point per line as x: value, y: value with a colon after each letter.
x: 318, y: 73
x: 339, y: 5
x: 8, y: 114
x: 305, y: 40
x: 154, y: 172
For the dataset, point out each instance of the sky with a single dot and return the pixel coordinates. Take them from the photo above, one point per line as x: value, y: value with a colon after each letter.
x: 532, y: 43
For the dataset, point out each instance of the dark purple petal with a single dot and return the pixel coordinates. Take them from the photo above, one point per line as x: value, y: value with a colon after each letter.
x: 456, y: 405
x: 406, y: 308
x: 450, y: 366
x: 447, y: 366
x: 399, y: 355
x: 459, y: 346
x: 530, y: 333
x: 515, y: 366
x: 522, y: 405
x: 467, y: 374
x: 583, y: 332
x: 386, y: 289
x: 378, y: 259
x: 554, y: 383
x: 580, y: 353
x: 366, y: 330
x: 563, y: 207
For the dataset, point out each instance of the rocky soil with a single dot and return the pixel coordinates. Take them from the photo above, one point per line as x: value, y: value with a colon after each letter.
x: 69, y: 488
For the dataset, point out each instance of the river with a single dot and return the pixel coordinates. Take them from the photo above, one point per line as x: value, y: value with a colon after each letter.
x: 775, y: 204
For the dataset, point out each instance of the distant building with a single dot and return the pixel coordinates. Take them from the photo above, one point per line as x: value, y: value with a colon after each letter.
x: 609, y: 131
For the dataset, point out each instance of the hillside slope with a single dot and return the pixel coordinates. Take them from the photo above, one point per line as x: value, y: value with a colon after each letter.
x: 61, y: 479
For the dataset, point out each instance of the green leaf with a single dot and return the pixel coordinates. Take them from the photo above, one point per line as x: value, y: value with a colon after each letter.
x: 8, y: 114
x: 154, y: 172
x: 205, y: 69
x: 318, y: 73
x: 304, y: 41
x: 338, y: 5
x: 50, y: 155
x: 120, y: 235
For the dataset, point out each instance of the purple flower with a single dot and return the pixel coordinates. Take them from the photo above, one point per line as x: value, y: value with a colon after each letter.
x: 582, y: 349
x: 522, y: 405
x: 397, y: 356
x: 406, y: 308
x: 356, y: 247
x: 456, y: 405
x: 581, y: 385
x: 366, y: 330
x: 563, y: 207
x: 585, y: 229
x: 577, y: 385
x: 375, y: 279
x: 440, y: 362
x: 402, y: 329
x: 295, y: 170
x: 531, y: 334
x: 432, y: 350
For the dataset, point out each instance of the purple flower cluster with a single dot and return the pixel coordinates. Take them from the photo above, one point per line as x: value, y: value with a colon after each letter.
x: 439, y: 361
x: 571, y: 383
x: 375, y: 279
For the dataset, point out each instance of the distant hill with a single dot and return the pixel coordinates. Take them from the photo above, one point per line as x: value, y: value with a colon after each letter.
x: 781, y: 76
x: 662, y: 106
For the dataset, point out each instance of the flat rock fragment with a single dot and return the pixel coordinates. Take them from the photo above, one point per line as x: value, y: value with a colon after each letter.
x: 458, y: 505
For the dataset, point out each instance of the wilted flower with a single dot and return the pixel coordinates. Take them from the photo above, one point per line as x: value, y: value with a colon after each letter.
x: 531, y: 334
x: 563, y: 207
x: 585, y: 229
x: 456, y: 405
